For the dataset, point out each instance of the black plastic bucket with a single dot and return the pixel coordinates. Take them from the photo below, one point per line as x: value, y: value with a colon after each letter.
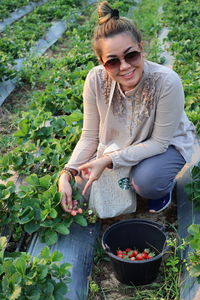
x: 135, y: 234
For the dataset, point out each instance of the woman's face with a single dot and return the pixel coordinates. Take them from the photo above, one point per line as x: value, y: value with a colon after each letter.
x: 129, y: 71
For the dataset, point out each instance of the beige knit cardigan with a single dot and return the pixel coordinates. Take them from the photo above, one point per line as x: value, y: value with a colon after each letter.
x: 142, y: 122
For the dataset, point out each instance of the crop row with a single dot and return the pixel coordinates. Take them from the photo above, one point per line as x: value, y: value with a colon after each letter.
x: 19, y: 37
x: 7, y: 6
x: 34, y: 204
x: 182, y: 18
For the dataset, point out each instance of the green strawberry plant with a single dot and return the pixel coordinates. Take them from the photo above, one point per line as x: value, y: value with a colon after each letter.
x: 18, y: 38
x: 150, y: 27
x: 21, y: 160
x: 46, y: 148
x: 35, y: 206
x: 6, y: 6
x: 24, y: 277
x: 182, y: 18
x: 7, y: 63
x: 9, y: 204
x: 40, y: 208
x: 193, y: 187
x: 193, y: 259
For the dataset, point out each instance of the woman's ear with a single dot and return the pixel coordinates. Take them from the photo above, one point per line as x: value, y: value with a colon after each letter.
x: 141, y: 45
x: 100, y: 60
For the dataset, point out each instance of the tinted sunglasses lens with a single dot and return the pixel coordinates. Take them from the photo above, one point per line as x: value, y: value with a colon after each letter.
x: 132, y: 57
x: 112, y: 64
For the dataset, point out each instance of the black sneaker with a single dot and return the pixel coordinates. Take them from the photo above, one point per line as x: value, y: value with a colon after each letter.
x: 158, y: 205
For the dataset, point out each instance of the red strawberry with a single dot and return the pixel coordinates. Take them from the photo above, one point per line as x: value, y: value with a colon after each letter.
x: 132, y: 258
x: 139, y: 256
x: 128, y: 249
x: 145, y: 255
x: 79, y: 210
x: 73, y: 213
x: 135, y: 253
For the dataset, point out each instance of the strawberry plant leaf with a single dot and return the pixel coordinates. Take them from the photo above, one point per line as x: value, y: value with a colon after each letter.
x: 33, y: 180
x: 60, y: 290
x: 31, y: 227
x: 194, y: 229
x: 20, y: 265
x: 62, y: 229
x: 33, y: 294
x: 50, y: 237
x: 53, y: 213
x: 48, y: 289
x: 195, y: 271
x: 47, y: 223
x: 45, y: 181
x: 45, y: 253
x: 67, y: 222
x: 80, y: 220
x: 74, y: 117
x: 42, y: 271
x: 27, y: 215
x: 56, y: 256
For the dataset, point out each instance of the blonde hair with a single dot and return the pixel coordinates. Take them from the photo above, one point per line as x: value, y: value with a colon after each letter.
x: 110, y: 24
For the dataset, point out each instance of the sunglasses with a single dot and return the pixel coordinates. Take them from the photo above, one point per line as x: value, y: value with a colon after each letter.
x: 130, y: 58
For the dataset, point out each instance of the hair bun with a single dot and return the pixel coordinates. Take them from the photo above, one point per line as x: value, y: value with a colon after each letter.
x: 115, y: 13
x: 105, y: 12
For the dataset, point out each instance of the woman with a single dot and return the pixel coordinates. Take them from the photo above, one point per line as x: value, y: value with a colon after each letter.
x: 146, y: 120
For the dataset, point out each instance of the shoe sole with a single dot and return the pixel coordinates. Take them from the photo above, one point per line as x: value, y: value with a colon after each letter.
x: 163, y: 208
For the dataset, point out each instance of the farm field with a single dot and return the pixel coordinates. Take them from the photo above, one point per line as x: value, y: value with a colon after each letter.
x: 40, y: 124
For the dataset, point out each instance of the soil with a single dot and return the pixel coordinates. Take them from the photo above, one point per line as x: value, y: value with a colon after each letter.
x: 109, y: 287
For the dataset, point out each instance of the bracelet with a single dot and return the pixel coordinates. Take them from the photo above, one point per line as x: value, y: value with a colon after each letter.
x: 68, y: 172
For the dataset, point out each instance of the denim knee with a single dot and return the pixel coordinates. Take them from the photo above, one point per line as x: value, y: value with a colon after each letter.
x: 150, y: 187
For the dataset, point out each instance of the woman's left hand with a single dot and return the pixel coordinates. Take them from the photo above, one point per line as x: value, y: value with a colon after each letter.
x: 93, y: 170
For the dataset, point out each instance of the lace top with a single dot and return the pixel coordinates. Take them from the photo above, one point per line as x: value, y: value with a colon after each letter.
x: 142, y: 122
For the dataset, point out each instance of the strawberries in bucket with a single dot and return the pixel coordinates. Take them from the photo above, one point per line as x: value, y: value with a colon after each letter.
x: 135, y: 255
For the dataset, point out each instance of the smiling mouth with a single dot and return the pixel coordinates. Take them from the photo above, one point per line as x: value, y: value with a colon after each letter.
x: 129, y: 74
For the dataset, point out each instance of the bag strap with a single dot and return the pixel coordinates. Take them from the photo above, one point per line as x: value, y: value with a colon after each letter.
x: 111, y: 93
x: 108, y: 110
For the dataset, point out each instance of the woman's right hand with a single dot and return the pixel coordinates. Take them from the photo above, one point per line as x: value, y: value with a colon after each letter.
x: 65, y: 189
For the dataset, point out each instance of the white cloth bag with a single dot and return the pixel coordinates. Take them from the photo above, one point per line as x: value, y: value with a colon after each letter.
x: 111, y: 195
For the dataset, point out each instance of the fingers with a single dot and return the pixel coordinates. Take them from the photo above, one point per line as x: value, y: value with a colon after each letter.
x: 87, y: 185
x: 85, y: 166
x: 66, y: 203
x: 85, y: 172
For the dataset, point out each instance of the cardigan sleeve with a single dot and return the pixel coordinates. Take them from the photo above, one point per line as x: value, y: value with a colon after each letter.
x: 88, y: 142
x: 170, y: 108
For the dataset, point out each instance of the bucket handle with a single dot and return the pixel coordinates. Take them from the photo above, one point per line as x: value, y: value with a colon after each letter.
x: 106, y: 247
x: 160, y: 226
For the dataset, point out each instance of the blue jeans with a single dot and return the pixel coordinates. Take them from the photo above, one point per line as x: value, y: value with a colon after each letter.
x: 154, y: 177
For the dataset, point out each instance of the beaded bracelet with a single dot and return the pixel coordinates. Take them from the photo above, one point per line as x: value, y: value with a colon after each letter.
x: 68, y: 172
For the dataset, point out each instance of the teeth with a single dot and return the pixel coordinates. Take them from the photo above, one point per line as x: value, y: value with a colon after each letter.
x: 127, y: 73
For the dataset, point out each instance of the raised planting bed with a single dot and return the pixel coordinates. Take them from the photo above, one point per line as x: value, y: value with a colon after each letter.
x: 187, y: 215
x: 19, y: 13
